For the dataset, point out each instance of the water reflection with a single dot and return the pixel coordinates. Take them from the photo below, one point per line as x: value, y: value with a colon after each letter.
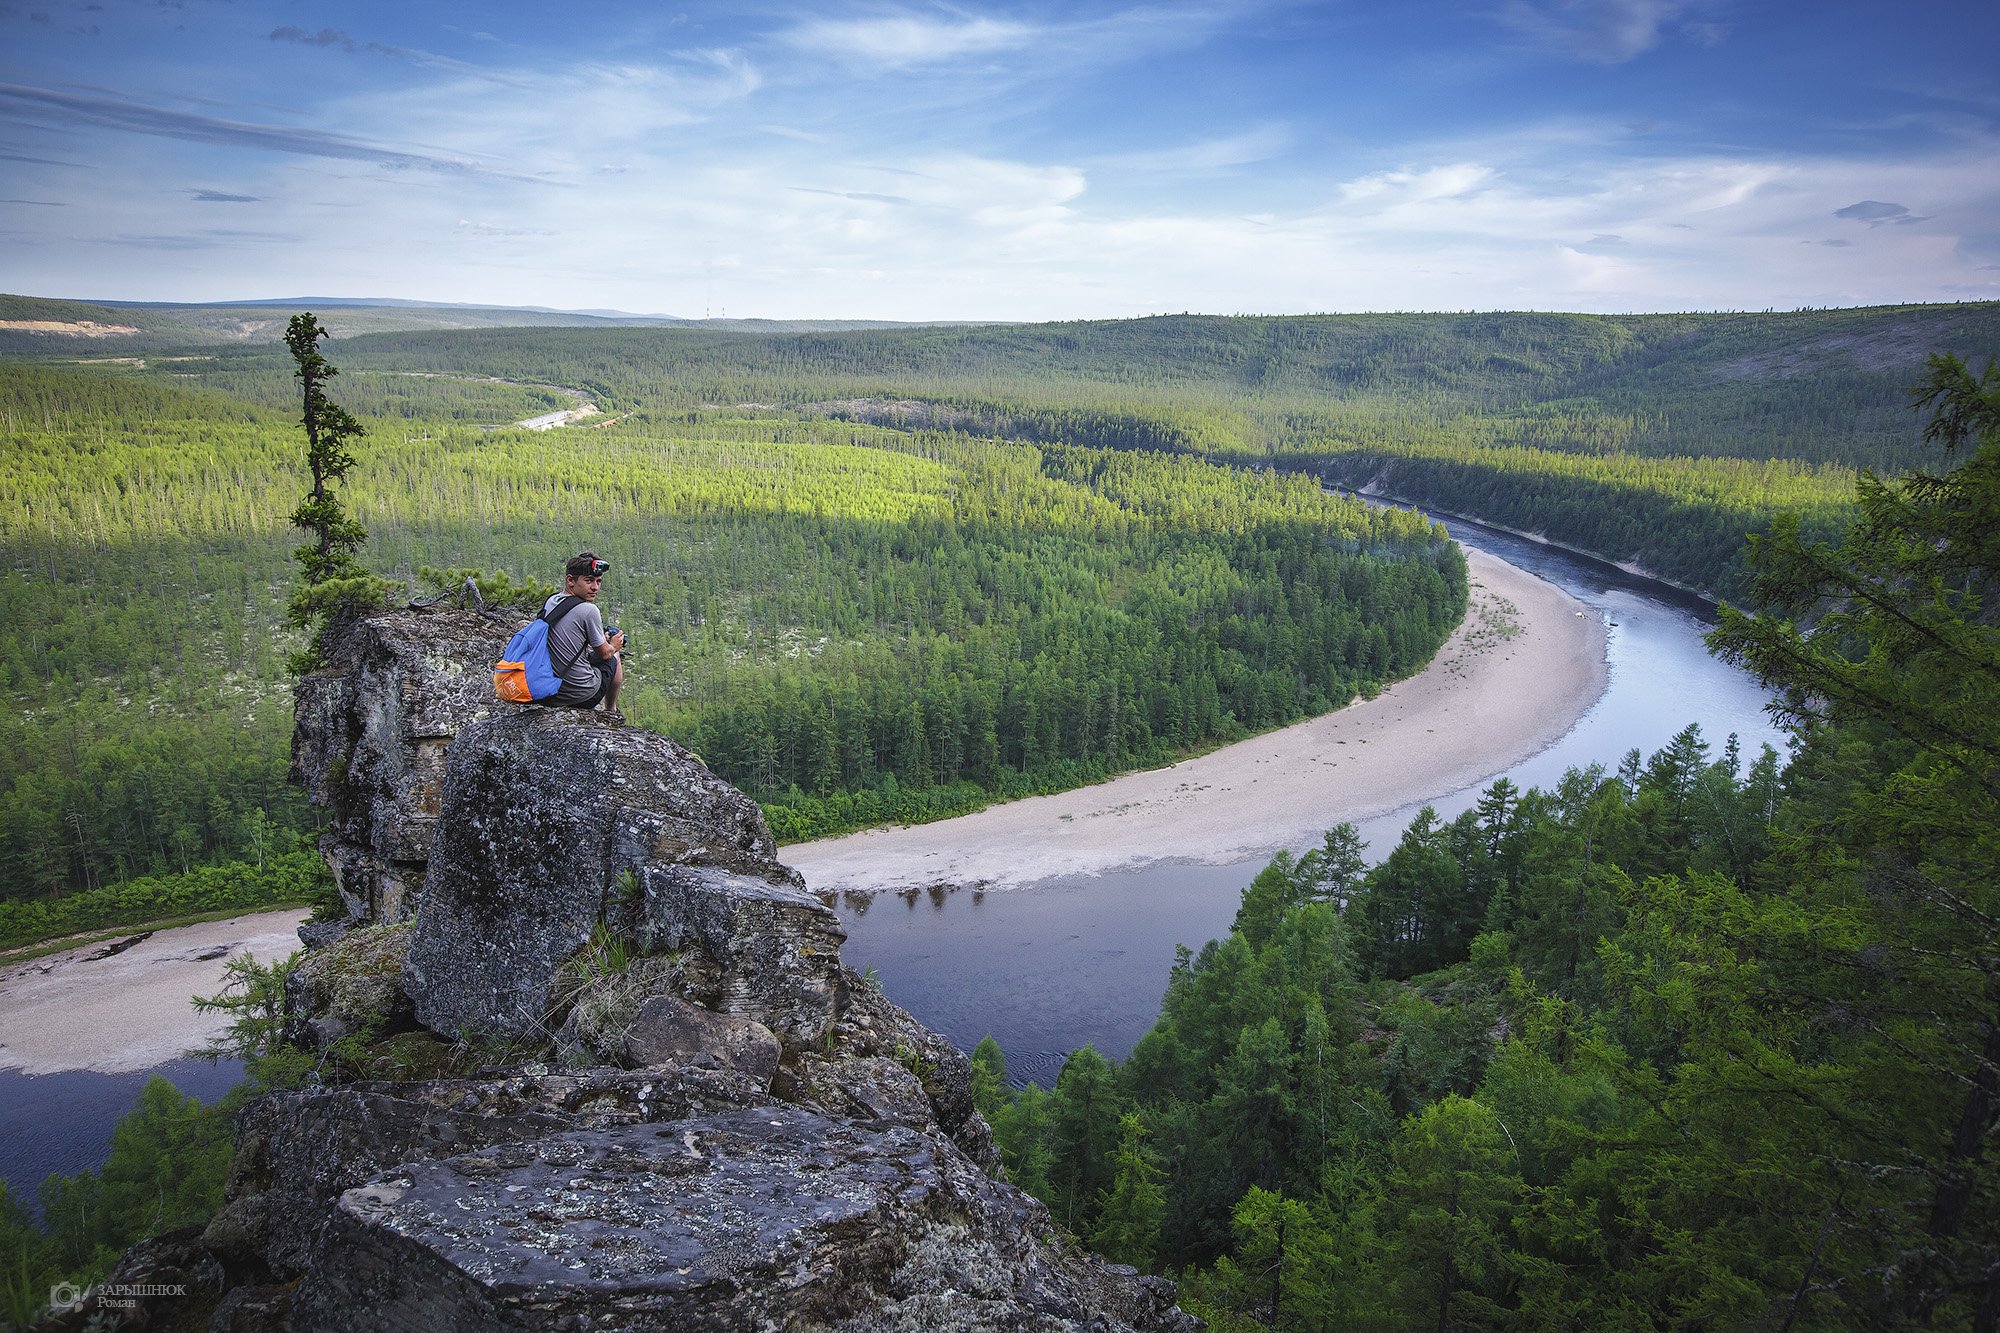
x: 61, y: 1123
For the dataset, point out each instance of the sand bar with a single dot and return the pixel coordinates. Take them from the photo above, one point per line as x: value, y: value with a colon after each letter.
x: 89, y: 1008
x: 1524, y: 665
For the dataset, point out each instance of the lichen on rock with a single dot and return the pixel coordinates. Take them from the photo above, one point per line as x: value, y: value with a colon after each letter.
x: 350, y: 987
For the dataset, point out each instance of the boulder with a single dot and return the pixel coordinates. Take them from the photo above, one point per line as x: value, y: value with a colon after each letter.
x: 297, y: 1151
x: 369, y: 734
x: 670, y: 1031
x: 775, y: 946
x: 771, y: 1217
x: 559, y: 824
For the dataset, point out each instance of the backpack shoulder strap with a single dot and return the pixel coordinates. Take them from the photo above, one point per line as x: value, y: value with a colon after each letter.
x: 554, y: 616
x: 563, y: 606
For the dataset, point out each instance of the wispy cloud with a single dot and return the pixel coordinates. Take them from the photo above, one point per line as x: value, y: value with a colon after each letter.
x: 860, y: 196
x: 1604, y: 32
x: 140, y: 118
x: 1053, y: 50
x: 908, y: 39
x: 502, y: 229
x: 202, y: 240
x: 337, y: 40
x: 218, y: 197
x: 1214, y: 154
x: 37, y: 161
x: 1389, y: 188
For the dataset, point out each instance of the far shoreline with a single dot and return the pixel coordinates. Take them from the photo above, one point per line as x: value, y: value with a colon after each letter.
x: 1526, y: 663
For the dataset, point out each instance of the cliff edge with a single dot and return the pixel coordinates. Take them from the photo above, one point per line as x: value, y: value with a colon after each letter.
x: 584, y: 1056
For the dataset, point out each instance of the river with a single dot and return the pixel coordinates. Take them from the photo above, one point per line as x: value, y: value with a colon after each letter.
x: 1047, y: 968
x: 1059, y: 963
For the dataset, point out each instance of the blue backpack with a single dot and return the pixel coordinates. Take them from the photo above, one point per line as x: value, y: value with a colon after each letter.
x: 524, y: 672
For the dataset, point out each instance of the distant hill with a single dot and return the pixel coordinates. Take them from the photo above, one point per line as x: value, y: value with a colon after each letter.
x: 32, y: 325
x: 1821, y: 386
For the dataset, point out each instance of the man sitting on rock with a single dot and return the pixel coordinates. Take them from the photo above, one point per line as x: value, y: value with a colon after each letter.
x: 595, y: 670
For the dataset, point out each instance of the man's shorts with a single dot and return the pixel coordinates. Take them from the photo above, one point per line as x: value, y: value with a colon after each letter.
x: 607, y: 671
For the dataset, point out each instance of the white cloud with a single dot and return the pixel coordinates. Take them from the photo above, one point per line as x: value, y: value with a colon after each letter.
x: 1214, y: 154
x: 571, y: 119
x: 892, y: 42
x: 1406, y: 186
x: 992, y: 191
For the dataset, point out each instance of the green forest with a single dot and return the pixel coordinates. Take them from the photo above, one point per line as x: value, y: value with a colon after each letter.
x: 1701, y: 1041
x: 870, y: 574
x: 852, y: 622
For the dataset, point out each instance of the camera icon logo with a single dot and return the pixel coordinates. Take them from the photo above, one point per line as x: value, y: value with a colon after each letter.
x: 65, y: 1296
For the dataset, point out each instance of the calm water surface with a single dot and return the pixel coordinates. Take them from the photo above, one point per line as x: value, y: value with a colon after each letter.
x: 61, y: 1123
x: 1083, y: 959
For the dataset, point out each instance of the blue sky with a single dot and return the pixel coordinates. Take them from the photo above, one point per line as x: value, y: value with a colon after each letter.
x: 1005, y: 161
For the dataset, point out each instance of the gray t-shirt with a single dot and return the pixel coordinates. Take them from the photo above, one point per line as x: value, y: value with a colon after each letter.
x: 584, y: 625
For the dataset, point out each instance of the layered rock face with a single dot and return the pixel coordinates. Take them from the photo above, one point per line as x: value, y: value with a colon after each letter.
x: 613, y: 1075
x: 369, y: 736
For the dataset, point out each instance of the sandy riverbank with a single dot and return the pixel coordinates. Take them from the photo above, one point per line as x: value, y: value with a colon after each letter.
x: 1525, y: 664
x: 110, y: 1012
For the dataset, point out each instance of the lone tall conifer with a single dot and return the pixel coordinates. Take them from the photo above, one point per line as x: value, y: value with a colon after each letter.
x: 329, y: 575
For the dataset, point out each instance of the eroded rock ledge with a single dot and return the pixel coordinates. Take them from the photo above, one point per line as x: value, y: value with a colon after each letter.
x: 585, y: 1057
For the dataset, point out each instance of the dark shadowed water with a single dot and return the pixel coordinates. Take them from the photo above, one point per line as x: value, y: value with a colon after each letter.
x: 1046, y: 968
x: 61, y: 1123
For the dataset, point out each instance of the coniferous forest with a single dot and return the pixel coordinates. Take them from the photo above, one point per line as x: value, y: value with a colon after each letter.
x: 852, y: 622
x: 870, y: 574
x: 1697, y: 1039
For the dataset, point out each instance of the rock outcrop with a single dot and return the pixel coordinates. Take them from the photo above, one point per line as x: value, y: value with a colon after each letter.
x: 558, y: 825
x: 632, y: 1085
x: 772, y: 1217
x: 370, y: 731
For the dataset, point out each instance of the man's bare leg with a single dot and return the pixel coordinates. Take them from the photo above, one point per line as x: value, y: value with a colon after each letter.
x: 611, y: 690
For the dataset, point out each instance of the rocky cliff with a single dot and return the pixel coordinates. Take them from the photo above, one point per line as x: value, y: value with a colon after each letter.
x: 585, y: 1057
x: 369, y: 739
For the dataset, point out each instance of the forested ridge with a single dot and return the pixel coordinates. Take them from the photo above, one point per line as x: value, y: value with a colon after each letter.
x: 852, y: 622
x: 1701, y: 1041
x: 1596, y: 430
